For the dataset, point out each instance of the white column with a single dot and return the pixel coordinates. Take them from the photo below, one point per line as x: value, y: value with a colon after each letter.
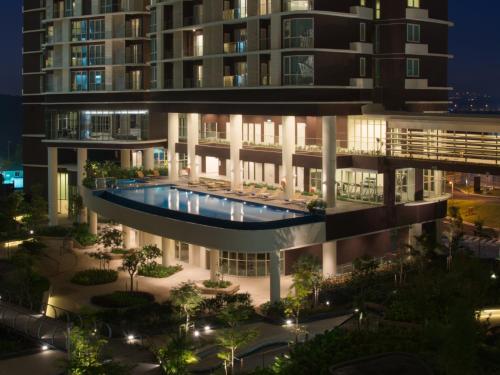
x: 168, y: 251
x: 125, y: 159
x: 438, y: 182
x: 236, y: 143
x: 329, y: 169
x: 81, y: 160
x: 173, y: 138
x: 193, y: 124
x: 274, y: 276
x: 329, y: 259
x: 193, y: 249
x: 203, y: 257
x: 149, y: 159
x: 52, y: 184
x: 127, y: 237
x: 415, y: 230
x: 92, y: 222
x: 214, y: 264
x: 411, y: 184
x: 288, y: 123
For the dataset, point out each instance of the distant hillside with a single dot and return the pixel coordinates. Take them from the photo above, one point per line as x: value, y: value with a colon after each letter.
x: 10, y: 122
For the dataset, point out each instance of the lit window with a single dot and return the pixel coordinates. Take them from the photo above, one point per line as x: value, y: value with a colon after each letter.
x: 378, y: 10
x: 413, y: 68
x: 413, y: 33
x: 362, y: 67
x: 414, y: 3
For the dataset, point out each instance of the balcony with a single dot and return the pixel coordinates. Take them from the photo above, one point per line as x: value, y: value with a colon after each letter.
x: 298, y: 80
x: 213, y: 137
x: 190, y: 83
x: 235, y: 80
x: 298, y: 42
x: 265, y: 44
x: 235, y: 47
x: 133, y: 57
x: 297, y: 5
x: 98, y: 126
x: 233, y: 14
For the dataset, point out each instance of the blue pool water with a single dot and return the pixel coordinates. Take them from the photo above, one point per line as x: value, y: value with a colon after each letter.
x: 207, y: 205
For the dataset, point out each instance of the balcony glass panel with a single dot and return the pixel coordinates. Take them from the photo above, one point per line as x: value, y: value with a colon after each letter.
x: 298, y: 70
x: 298, y: 33
x: 98, y: 125
x: 297, y: 5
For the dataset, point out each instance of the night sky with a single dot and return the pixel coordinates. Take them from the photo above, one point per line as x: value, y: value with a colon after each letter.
x: 474, y: 41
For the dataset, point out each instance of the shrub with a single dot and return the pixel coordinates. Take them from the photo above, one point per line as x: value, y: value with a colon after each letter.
x: 274, y: 310
x: 158, y: 271
x: 218, y: 284
x: 120, y: 251
x: 120, y: 299
x: 94, y: 277
x: 54, y: 231
x: 32, y: 246
x: 82, y: 235
x: 215, y: 304
x: 316, y: 205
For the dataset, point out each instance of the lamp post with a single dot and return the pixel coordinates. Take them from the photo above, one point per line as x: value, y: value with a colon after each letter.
x: 452, y: 188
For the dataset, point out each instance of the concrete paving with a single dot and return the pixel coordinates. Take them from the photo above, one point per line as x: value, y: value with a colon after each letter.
x: 43, y: 363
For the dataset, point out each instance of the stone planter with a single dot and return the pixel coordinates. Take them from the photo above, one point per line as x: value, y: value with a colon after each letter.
x: 231, y: 289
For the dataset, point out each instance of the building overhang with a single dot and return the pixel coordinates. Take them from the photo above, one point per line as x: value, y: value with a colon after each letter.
x: 108, y: 145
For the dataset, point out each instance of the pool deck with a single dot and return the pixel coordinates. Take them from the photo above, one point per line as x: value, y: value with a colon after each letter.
x: 341, y: 207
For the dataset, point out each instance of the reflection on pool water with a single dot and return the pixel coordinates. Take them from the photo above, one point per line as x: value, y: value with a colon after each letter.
x: 170, y: 197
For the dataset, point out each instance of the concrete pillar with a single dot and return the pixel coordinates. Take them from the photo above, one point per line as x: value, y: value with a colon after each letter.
x: 125, y: 159
x: 127, y: 237
x: 203, y: 257
x: 193, y: 125
x: 390, y: 187
x: 236, y: 143
x: 419, y: 185
x: 329, y: 170
x: 214, y: 264
x: 288, y: 123
x: 173, y: 138
x: 274, y: 276
x: 93, y: 223
x: 329, y: 259
x: 168, y: 251
x: 414, y: 231
x: 52, y: 184
x: 193, y: 249
x: 148, y: 159
x: 81, y: 160
x: 438, y: 183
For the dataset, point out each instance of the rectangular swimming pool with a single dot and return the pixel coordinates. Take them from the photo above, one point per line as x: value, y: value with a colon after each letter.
x: 212, y: 206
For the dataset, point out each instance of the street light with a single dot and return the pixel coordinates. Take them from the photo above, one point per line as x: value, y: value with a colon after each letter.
x: 452, y: 188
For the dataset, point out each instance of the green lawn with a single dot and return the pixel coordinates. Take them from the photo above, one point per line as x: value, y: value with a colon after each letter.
x: 472, y: 210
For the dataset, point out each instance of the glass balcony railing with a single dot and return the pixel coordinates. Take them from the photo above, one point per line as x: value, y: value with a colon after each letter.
x: 235, y: 47
x: 190, y: 83
x: 235, y: 80
x: 213, y: 137
x: 233, y: 14
x: 98, y: 125
x: 298, y: 42
x: 297, y: 5
x: 298, y: 80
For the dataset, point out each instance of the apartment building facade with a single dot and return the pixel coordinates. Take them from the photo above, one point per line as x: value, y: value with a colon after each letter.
x: 292, y: 94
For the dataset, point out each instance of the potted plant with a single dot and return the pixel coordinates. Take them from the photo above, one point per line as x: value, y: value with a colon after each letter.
x: 317, y: 206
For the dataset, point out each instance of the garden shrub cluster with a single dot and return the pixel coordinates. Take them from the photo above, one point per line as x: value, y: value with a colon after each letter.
x: 217, y: 284
x: 81, y: 234
x: 158, y: 271
x: 95, y: 276
x: 122, y: 299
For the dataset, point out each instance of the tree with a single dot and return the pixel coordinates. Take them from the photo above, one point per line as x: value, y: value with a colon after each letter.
x: 86, y: 357
x: 307, y: 271
x: 36, y: 209
x: 150, y: 253
x: 455, y: 233
x: 481, y: 232
x: 103, y: 257
x: 187, y: 298
x: 176, y: 356
x: 294, y: 303
x: 130, y: 264
x: 233, y: 337
x: 365, y: 265
x: 111, y: 238
x: 10, y: 208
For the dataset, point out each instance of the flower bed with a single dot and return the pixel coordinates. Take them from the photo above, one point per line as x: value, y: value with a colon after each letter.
x: 215, y: 288
x: 158, y: 271
x: 94, y: 276
x: 120, y: 299
x: 217, y: 284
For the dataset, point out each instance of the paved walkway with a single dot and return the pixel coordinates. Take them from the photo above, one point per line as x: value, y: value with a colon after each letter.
x: 60, y: 267
x: 43, y: 363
